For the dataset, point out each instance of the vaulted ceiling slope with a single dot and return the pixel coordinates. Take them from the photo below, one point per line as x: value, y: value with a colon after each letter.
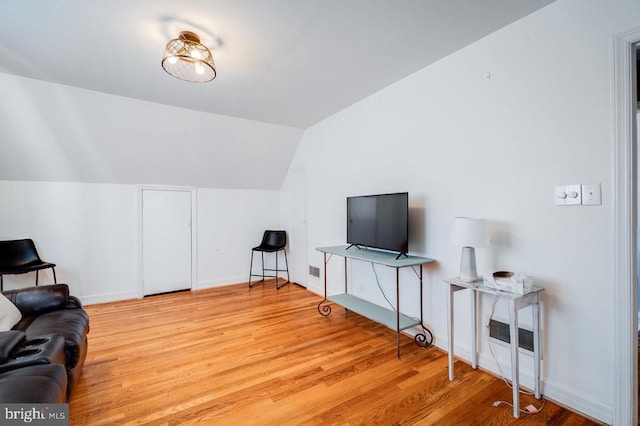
x: 286, y: 62
x: 84, y: 97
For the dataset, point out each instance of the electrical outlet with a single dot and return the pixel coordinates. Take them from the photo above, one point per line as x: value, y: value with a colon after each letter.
x: 591, y: 194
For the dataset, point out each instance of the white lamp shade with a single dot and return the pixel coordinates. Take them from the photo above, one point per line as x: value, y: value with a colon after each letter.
x: 469, y: 232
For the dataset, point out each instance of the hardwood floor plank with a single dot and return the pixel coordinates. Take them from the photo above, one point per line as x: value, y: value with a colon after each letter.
x: 230, y: 355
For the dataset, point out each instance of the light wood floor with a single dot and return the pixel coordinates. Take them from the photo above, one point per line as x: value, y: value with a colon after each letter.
x: 234, y: 356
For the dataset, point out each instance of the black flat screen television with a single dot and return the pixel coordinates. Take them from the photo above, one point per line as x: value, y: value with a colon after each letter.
x: 379, y: 221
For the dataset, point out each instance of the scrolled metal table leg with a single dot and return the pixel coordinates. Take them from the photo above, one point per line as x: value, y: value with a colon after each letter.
x: 324, y: 310
x: 424, y: 339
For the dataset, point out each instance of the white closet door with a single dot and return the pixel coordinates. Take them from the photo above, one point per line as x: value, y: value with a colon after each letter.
x: 166, y: 241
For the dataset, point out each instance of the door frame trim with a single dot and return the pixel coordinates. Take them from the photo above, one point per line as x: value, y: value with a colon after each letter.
x: 625, y: 373
x: 299, y: 260
x: 194, y: 230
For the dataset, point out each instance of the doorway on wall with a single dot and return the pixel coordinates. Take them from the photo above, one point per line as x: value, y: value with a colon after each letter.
x: 636, y: 78
x: 298, y: 227
x: 625, y: 225
x: 166, y: 239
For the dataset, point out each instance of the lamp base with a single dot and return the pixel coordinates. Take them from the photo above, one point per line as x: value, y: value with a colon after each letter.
x: 468, y: 272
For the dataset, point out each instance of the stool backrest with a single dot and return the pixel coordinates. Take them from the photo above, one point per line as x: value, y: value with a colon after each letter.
x: 274, y: 239
x: 16, y: 253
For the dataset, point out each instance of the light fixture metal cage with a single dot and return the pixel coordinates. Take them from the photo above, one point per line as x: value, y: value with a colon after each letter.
x: 187, y: 59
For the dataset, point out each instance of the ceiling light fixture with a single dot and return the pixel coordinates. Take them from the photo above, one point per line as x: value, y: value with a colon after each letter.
x: 189, y: 60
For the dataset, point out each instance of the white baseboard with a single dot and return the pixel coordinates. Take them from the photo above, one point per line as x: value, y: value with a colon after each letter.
x: 114, y: 297
x: 219, y: 283
x: 223, y: 282
x: 317, y: 290
x: 572, y: 398
x: 578, y: 401
x: 108, y: 297
x: 117, y: 296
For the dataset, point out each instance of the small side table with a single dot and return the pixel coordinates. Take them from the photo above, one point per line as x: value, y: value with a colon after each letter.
x: 516, y: 302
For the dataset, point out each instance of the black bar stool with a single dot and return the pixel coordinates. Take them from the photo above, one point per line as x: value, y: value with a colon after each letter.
x: 20, y: 257
x: 272, y: 242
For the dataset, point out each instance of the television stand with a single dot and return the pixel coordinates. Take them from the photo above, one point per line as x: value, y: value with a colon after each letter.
x: 365, y: 248
x: 392, y: 318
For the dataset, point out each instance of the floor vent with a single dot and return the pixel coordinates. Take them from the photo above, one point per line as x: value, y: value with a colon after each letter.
x: 500, y: 331
x: 314, y: 271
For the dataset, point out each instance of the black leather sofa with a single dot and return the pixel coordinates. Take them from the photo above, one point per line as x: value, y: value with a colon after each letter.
x: 41, y: 358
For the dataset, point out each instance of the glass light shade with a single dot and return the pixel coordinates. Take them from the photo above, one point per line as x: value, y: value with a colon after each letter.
x: 187, y: 59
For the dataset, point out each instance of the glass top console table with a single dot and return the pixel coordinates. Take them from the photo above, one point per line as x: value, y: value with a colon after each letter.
x: 392, y: 318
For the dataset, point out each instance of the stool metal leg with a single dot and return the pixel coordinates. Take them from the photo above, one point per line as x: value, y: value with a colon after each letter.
x: 250, y: 268
x: 251, y: 271
x: 264, y: 274
x: 286, y: 263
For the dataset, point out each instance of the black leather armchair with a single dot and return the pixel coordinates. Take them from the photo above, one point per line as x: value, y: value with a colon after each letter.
x: 53, y: 331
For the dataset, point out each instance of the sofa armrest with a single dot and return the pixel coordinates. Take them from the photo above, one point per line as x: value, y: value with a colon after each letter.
x: 33, y: 301
x: 9, y: 340
x: 74, y: 303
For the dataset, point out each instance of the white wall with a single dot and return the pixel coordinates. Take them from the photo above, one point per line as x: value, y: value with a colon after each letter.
x: 90, y: 231
x: 57, y: 133
x: 230, y: 223
x: 70, y: 160
x: 488, y: 132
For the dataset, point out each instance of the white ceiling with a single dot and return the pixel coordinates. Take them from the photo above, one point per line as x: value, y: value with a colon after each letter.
x: 286, y: 62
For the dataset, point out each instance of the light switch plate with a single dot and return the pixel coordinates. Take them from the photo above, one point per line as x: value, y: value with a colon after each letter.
x: 560, y: 196
x: 574, y: 194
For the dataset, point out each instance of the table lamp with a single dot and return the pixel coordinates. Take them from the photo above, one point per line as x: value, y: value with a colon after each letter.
x: 469, y: 233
